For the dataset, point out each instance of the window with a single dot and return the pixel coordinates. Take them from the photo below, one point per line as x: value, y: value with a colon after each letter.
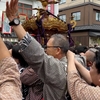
x: 49, y: 7
x: 62, y: 1
x: 63, y: 17
x: 97, y: 16
x: 77, y: 16
x: 25, y: 9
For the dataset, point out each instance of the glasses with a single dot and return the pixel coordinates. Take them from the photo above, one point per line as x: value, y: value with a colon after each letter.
x: 45, y: 47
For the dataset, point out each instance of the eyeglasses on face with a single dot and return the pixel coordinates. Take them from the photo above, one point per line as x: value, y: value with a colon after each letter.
x: 45, y: 47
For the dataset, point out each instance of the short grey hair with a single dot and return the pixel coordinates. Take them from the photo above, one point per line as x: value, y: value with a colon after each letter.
x: 92, y: 57
x: 94, y: 50
x: 61, y: 41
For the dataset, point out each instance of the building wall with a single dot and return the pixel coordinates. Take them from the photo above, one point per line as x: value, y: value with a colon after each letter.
x: 2, y: 8
x: 84, y: 14
x: 70, y: 3
x: 88, y: 18
x: 80, y: 38
x: 34, y: 3
x: 56, y: 9
x: 88, y: 14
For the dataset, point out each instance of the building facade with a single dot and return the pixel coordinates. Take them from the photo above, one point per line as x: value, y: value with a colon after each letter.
x: 87, y: 15
x: 24, y: 11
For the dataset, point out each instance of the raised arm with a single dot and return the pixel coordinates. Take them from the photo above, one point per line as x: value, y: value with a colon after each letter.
x: 3, y: 51
x: 78, y: 88
x: 11, y: 12
x: 71, y: 63
x: 9, y: 76
x: 84, y: 72
x: 33, y: 53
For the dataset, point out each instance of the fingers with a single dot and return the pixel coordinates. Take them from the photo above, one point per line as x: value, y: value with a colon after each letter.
x: 7, y: 5
x: 7, y: 8
x: 70, y: 55
x: 12, y: 4
x: 69, y: 52
x: 15, y: 4
x: 10, y: 51
x: 11, y: 9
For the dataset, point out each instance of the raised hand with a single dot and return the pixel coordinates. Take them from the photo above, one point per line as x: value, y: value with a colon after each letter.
x: 11, y: 9
x: 70, y: 55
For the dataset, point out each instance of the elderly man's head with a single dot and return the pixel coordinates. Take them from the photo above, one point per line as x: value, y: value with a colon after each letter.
x: 90, y: 56
x: 57, y: 46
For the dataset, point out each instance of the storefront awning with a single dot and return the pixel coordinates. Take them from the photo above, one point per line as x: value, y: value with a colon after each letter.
x: 95, y: 34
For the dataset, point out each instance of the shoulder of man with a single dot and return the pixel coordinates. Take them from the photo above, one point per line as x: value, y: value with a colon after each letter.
x: 81, y: 59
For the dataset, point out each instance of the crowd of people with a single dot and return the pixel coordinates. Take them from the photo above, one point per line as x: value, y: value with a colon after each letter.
x: 56, y: 72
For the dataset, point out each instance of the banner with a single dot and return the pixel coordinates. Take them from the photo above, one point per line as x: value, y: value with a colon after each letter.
x: 23, y: 18
x: 6, y: 29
